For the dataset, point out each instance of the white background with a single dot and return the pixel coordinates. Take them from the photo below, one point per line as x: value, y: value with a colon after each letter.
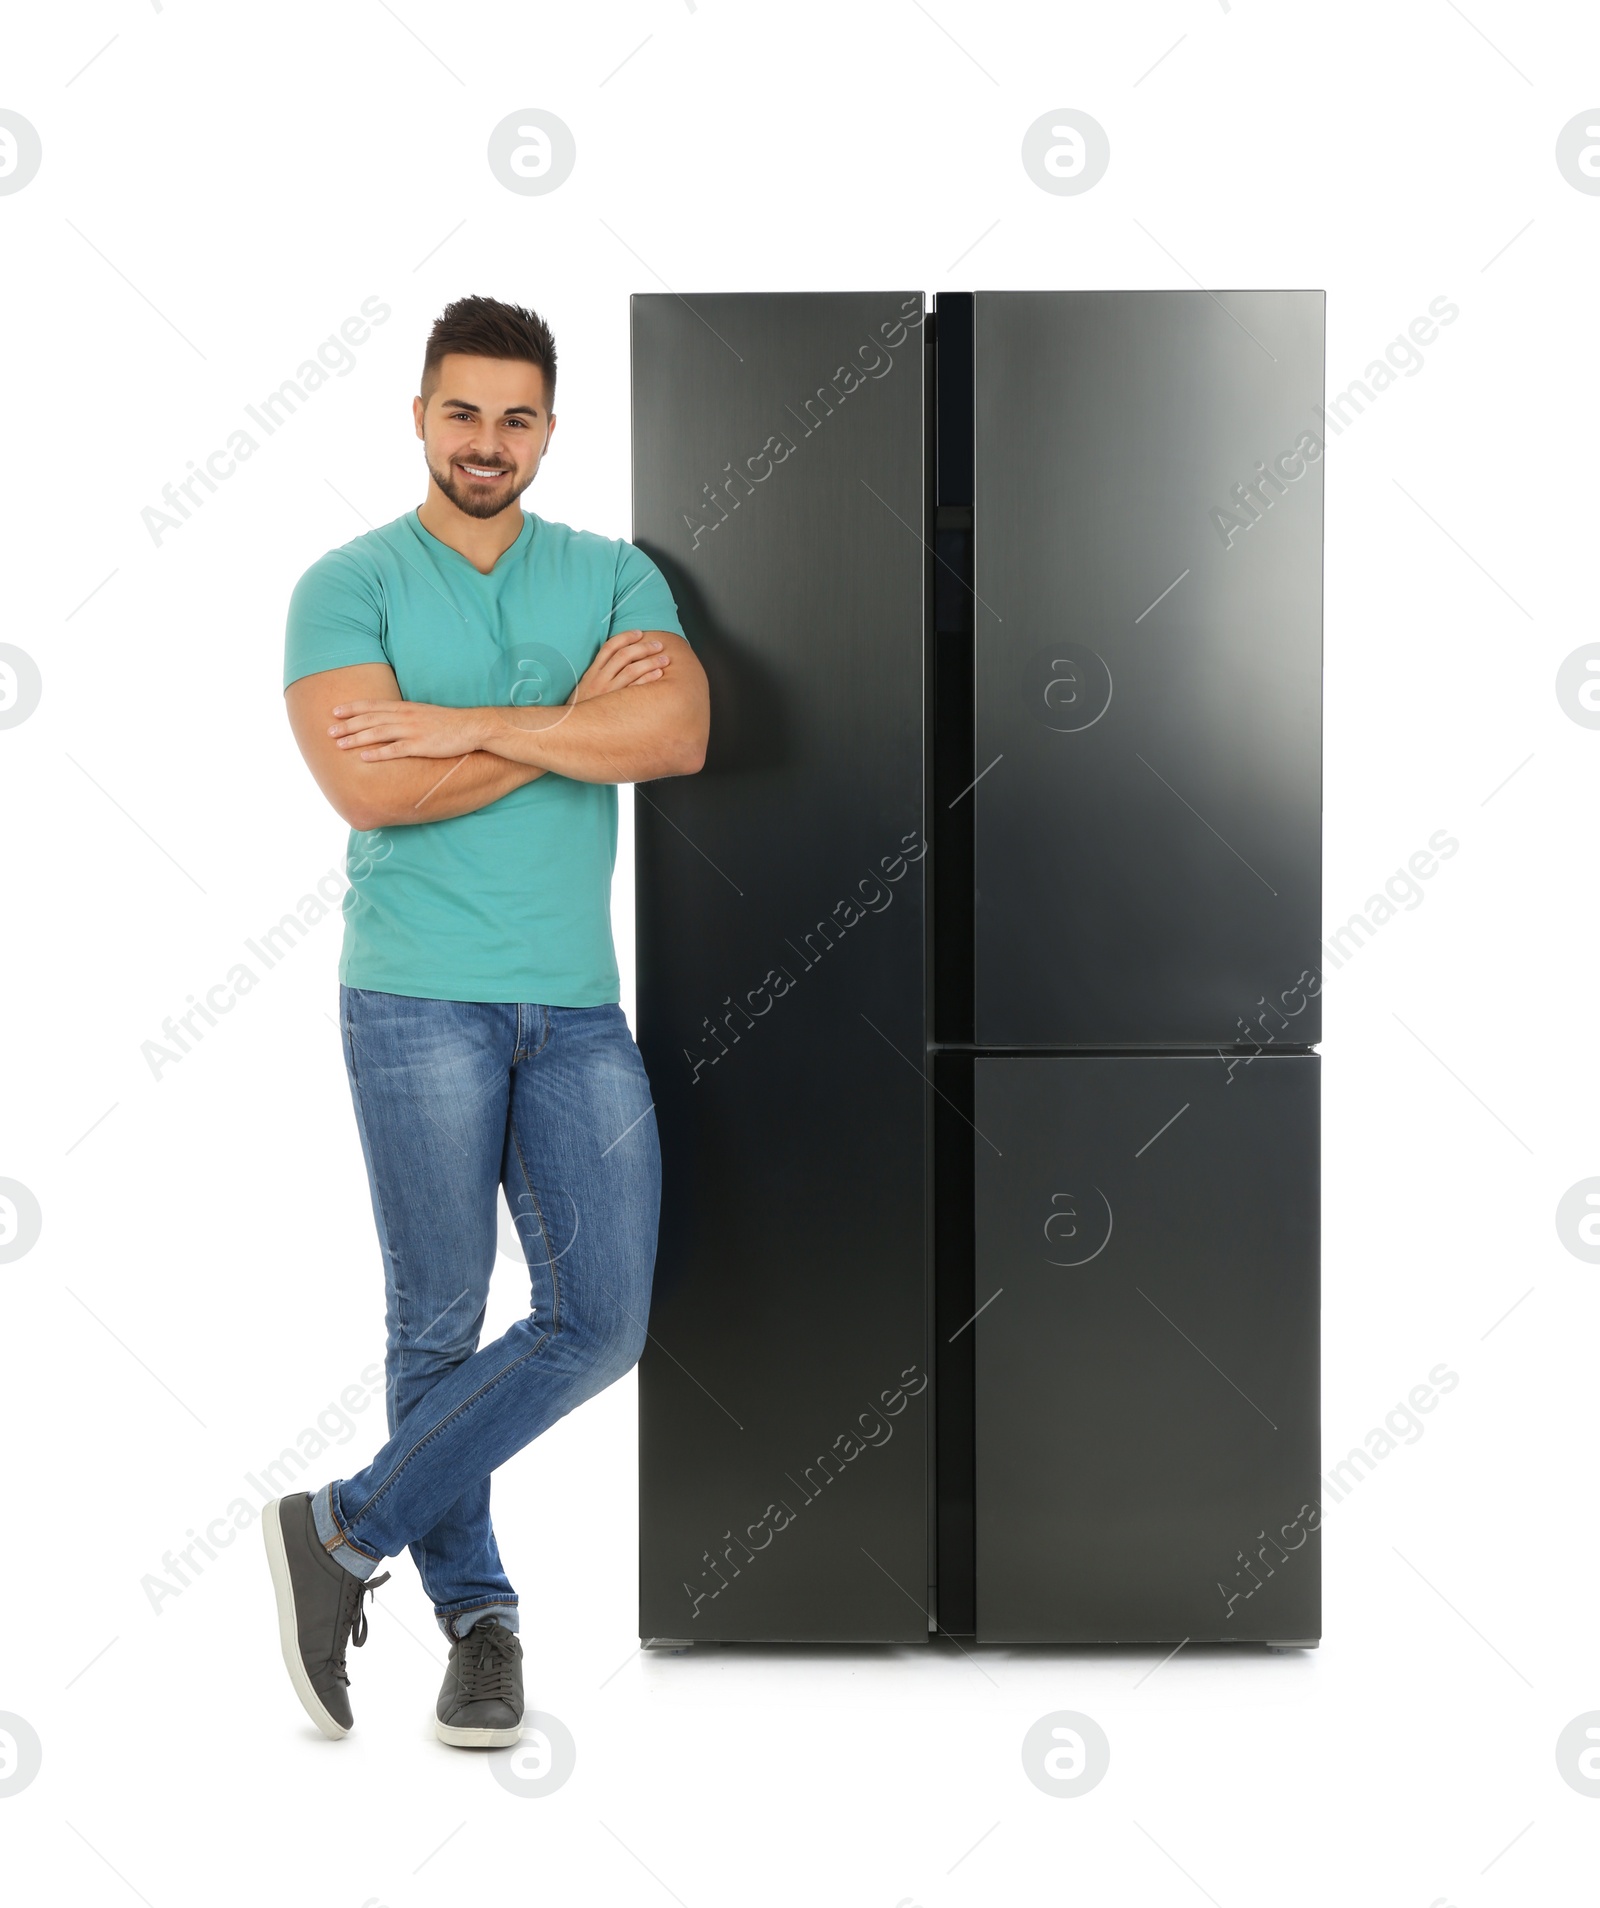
x: 221, y: 186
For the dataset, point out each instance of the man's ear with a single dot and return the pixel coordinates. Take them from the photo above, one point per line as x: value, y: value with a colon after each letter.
x: 417, y: 408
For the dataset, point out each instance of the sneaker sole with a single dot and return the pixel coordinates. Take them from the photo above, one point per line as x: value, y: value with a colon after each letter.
x: 289, y: 1627
x: 460, y: 1738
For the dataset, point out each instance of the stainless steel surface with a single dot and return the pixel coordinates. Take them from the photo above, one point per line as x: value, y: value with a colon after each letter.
x: 1148, y: 724
x: 1147, y: 1377
x: 1128, y: 708
x: 790, y: 1287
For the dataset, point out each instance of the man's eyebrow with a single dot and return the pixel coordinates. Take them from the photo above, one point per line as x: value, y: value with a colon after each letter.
x: 511, y: 410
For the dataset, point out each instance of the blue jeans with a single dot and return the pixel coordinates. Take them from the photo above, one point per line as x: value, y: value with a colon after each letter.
x: 453, y: 1100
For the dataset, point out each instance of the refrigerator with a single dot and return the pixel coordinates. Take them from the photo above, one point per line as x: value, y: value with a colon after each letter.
x: 979, y: 968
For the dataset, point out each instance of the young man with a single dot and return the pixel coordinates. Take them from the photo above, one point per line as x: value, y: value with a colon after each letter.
x: 467, y: 685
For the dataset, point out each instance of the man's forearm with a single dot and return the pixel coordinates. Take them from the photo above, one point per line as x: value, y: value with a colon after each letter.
x: 631, y: 735
x: 420, y: 788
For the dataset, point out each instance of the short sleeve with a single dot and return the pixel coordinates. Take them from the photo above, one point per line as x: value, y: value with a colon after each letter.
x: 335, y: 619
x: 640, y: 598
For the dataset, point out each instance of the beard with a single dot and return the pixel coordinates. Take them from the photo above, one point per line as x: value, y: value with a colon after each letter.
x: 474, y: 500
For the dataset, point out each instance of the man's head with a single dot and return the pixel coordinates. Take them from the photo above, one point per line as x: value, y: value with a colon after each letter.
x: 486, y: 413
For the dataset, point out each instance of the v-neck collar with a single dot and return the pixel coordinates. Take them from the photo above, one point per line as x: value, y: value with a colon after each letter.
x: 518, y: 545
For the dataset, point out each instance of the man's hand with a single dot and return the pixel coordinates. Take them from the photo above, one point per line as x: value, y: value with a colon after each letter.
x: 378, y: 794
x: 630, y: 717
x: 623, y: 659
x: 379, y: 731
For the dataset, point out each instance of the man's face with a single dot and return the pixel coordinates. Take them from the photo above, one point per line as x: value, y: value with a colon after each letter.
x: 484, y: 430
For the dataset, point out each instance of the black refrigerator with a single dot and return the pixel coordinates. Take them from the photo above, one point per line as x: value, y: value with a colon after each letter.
x: 979, y: 968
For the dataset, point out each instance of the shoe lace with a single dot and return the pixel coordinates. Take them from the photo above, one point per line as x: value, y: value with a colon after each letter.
x: 353, y: 1618
x: 485, y: 1662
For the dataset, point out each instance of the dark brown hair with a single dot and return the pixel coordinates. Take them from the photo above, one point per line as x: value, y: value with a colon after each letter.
x: 486, y: 328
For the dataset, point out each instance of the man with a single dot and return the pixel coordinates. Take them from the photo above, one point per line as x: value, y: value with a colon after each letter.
x: 467, y: 685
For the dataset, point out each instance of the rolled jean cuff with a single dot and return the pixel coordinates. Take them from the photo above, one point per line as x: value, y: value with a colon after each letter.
x: 332, y: 1537
x: 456, y: 1623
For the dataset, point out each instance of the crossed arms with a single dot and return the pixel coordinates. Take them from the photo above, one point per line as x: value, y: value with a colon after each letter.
x: 641, y: 710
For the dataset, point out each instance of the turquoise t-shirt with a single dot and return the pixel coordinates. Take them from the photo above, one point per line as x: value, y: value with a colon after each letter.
x: 511, y: 902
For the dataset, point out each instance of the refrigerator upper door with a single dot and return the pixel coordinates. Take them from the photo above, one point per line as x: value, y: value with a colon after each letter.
x: 1147, y: 1348
x: 779, y: 482
x: 1148, y: 662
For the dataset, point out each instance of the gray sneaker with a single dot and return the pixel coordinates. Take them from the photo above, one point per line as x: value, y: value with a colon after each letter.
x: 480, y: 1704
x: 320, y: 1609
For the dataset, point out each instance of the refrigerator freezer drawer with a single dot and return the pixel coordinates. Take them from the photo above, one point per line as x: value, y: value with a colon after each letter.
x: 1146, y: 1380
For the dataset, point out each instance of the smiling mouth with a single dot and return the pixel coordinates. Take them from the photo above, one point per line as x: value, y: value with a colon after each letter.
x: 485, y: 473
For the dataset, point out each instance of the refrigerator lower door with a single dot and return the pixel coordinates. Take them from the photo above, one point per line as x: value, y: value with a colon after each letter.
x: 1147, y: 1349
x: 779, y: 481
